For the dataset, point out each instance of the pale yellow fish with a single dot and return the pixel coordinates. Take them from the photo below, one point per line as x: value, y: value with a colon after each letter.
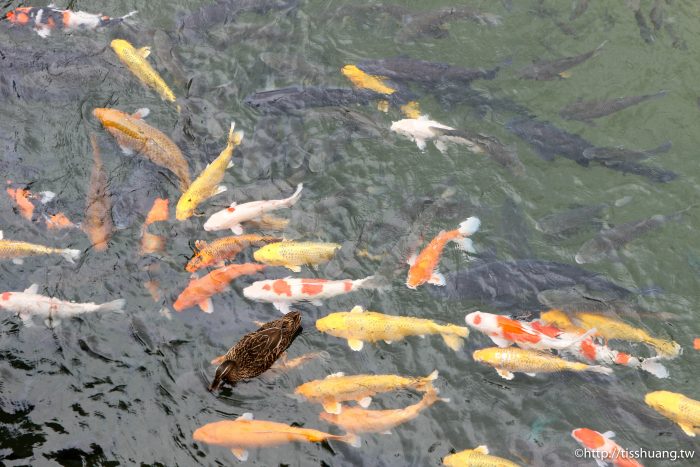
x: 358, y: 326
x: 477, y: 457
x: 366, y: 81
x: 135, y: 61
x: 16, y: 251
x: 207, y: 184
x: 681, y: 409
x: 512, y: 359
x: 293, y: 255
x: 336, y: 388
x: 411, y: 109
x: 359, y: 420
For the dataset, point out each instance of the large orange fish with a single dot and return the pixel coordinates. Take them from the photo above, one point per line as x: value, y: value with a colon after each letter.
x: 424, y: 265
x: 98, y: 217
x: 608, y: 450
x: 199, y: 291
x: 224, y: 249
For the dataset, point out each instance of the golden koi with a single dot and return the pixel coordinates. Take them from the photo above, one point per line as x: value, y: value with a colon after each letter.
x: 477, y: 457
x: 134, y: 134
x: 336, y: 388
x: 411, y: 109
x: 366, y: 81
x: 207, y: 184
x: 16, y: 250
x: 293, y: 255
x: 135, y: 61
x: 223, y: 249
x: 681, y: 409
x: 359, y: 325
x: 98, y: 217
x: 244, y: 433
x: 512, y: 359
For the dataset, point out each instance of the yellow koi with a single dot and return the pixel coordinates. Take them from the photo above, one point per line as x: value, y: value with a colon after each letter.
x: 411, y: 109
x: 293, y: 255
x: 679, y: 408
x: 477, y: 457
x: 135, y: 61
x: 16, y: 250
x: 366, y: 81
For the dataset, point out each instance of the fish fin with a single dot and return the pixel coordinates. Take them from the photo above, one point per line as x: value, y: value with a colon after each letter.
x: 356, y: 344
x: 206, y: 306
x: 501, y: 342
x: 505, y: 374
x: 604, y: 370
x: 52, y: 323
x: 43, y: 32
x: 230, y: 164
x: 353, y: 440
x: 144, y: 51
x: 388, y: 341
x: 141, y: 113
x: 200, y: 244
x: 316, y: 302
x: 565, y: 74
x: 283, y: 307
x: 126, y: 151
x: 294, y: 268
x: 483, y: 449
x: 600, y: 463
x: 339, y: 374
x: 240, y: 453
x: 17, y: 261
x: 412, y: 259
x: 440, y: 145
x: 1, y: 235
x: 332, y: 406
x: 129, y: 15
x: 237, y: 229
x: 296, y: 195
x: 220, y: 189
x: 34, y: 288
x: 357, y: 309
x: 432, y: 376
x: 466, y: 245
x: 116, y: 306
x: 437, y: 279
x: 421, y: 144
x: 386, y: 432
x: 259, y: 323
x: 365, y: 402
x: 71, y: 255
x: 651, y: 365
x: 688, y: 429
x: 454, y: 342
x: 246, y: 416
x: 532, y: 375
x: 26, y: 319
x: 469, y: 226
x: 609, y: 434
x: 47, y: 196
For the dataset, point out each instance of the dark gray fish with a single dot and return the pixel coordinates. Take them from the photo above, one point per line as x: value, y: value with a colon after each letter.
x: 588, y: 110
x: 133, y: 198
x: 350, y: 119
x: 515, y: 229
x: 655, y: 174
x: 226, y: 11
x: 580, y: 7
x: 515, y: 284
x: 608, y: 241
x: 546, y: 70
x: 621, y: 154
x: 504, y: 155
x: 433, y: 23
x: 677, y: 42
x: 421, y: 71
x: 560, y: 223
x: 298, y: 98
x: 644, y: 29
x: 656, y: 15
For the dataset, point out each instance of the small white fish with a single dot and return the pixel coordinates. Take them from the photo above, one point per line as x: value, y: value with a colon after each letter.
x: 234, y: 215
x: 28, y: 304
x: 423, y: 129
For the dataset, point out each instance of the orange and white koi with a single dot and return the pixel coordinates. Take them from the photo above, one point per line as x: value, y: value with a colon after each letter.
x: 28, y: 304
x: 199, y: 291
x: 609, y: 451
x: 223, y: 249
x: 49, y: 18
x: 23, y: 199
x: 16, y: 251
x: 424, y: 265
x: 152, y: 243
x: 244, y: 433
x: 282, y: 293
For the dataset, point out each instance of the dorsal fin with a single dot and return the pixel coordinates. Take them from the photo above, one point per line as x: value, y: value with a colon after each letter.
x: 141, y: 113
x: 339, y: 374
x: 246, y: 416
x: 34, y: 288
x: 357, y: 309
x: 200, y: 244
x: 144, y: 51
x: 483, y: 449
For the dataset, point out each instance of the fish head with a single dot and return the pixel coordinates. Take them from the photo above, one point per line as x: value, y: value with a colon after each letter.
x: 487, y: 355
x: 588, y: 438
x: 199, y: 260
x: 5, y: 297
x: 214, y: 433
x: 185, y: 207
x: 665, y: 402
x: 269, y: 254
x: 121, y: 46
x: 484, y: 322
x: 332, y: 323
x: 105, y: 115
x: 556, y: 318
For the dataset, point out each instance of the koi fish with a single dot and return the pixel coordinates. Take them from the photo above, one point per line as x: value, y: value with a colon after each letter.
x: 359, y: 325
x: 28, y: 304
x: 58, y: 221
x: 135, y: 61
x: 244, y: 433
x: 23, y: 199
x: 603, y: 444
x: 336, y: 388
x: 16, y: 250
x: 223, y: 249
x: 282, y: 293
x: 546, y: 70
x: 293, y: 255
x: 98, y: 218
x: 530, y: 362
x: 199, y: 291
x: 135, y: 135
x: 207, y: 184
x: 681, y: 409
x: 46, y: 19
x: 696, y: 343
x: 359, y: 420
x: 424, y: 265
x: 366, y: 81
x: 151, y: 243
x: 479, y: 456
x: 234, y: 215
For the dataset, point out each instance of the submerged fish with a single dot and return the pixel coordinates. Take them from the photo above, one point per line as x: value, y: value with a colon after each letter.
x: 477, y: 457
x: 135, y: 135
x: 28, y: 304
x: 135, y: 61
x: 359, y: 420
x: 152, y: 243
x: 233, y: 216
x: 425, y: 72
x: 588, y: 110
x: 49, y: 18
x: 244, y: 433
x: 609, y: 240
x: 223, y: 249
x: 624, y: 155
x: 293, y: 255
x: 225, y: 11
x: 681, y: 409
x: 545, y: 70
x: 564, y: 222
x: 200, y: 290
x: 601, y: 443
x: 296, y: 98
x: 512, y: 359
x: 282, y: 293
x: 580, y: 7
x: 98, y: 217
x: 359, y: 326
x: 17, y: 250
x: 206, y: 184
x: 337, y: 388
x: 433, y: 23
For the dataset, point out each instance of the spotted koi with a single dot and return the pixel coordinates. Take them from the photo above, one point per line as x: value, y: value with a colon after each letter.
x: 49, y: 18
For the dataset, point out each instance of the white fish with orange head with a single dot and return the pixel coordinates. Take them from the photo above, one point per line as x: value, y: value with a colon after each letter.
x: 609, y: 452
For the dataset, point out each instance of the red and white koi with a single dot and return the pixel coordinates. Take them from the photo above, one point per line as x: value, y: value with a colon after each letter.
x: 29, y: 303
x: 46, y: 19
x: 609, y: 451
x: 234, y: 215
x: 282, y: 293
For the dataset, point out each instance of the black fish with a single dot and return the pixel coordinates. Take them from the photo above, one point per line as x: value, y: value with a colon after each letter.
x: 621, y: 154
x: 588, y: 110
x: 656, y: 15
x: 567, y: 221
x: 478, y: 142
x: 580, y: 7
x: 655, y: 174
x: 644, y: 30
x: 299, y: 98
x: 421, y: 71
x: 225, y: 11
x: 515, y: 284
x: 433, y: 23
x: 545, y: 70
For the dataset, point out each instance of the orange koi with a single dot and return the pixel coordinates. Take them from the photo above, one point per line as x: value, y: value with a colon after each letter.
x: 151, y: 243
x: 98, y: 218
x: 21, y: 198
x: 610, y: 451
x: 224, y: 249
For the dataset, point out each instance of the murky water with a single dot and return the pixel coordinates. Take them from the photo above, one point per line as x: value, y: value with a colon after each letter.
x: 130, y: 389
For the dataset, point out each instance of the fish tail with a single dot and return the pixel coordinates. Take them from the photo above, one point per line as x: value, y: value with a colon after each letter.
x: 662, y: 148
x: 129, y: 15
x: 432, y: 396
x: 653, y: 366
x: 600, y: 47
x: 234, y: 137
x: 454, y: 336
x: 351, y: 438
x: 604, y: 370
x: 71, y: 255
x: 373, y: 282
x: 469, y: 226
x: 291, y: 201
x: 426, y: 384
x: 117, y: 306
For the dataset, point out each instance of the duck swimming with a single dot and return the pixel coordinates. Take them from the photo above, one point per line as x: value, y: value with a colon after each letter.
x: 257, y: 351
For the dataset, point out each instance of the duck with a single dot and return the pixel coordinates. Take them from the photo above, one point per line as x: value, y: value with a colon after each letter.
x: 257, y: 351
